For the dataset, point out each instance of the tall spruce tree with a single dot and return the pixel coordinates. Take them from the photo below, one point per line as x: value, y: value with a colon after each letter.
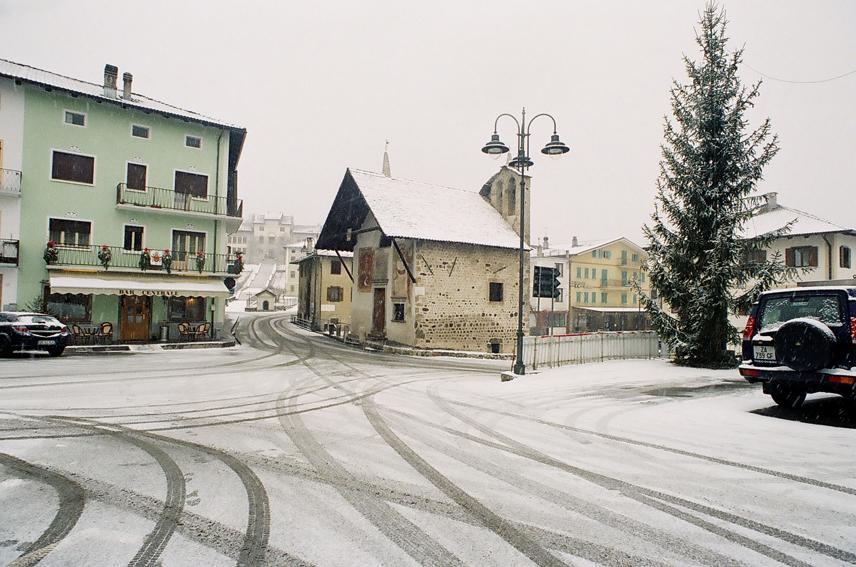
x: 700, y: 267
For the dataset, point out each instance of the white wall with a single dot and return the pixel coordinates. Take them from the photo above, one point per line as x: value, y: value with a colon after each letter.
x: 12, y: 136
x: 821, y: 272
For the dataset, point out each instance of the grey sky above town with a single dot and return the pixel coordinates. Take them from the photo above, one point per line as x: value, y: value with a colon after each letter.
x: 321, y: 86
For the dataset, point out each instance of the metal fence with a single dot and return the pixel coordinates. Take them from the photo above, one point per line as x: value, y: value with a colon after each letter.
x: 160, y: 198
x: 579, y: 348
x: 10, y: 182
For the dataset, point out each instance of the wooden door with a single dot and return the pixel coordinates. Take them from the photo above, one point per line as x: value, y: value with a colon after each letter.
x: 379, y: 312
x: 134, y: 318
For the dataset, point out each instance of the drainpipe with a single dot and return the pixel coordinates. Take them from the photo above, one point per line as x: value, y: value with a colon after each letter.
x: 216, y: 223
x: 829, y: 255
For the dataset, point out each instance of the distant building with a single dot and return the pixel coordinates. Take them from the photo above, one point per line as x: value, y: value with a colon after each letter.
x: 325, y: 288
x: 597, y: 291
x: 265, y: 300
x: 264, y: 237
x: 435, y: 267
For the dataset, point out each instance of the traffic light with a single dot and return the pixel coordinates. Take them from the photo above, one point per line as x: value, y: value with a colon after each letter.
x: 546, y: 282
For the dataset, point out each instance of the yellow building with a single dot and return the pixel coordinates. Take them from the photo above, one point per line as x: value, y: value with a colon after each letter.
x: 325, y: 285
x: 599, y: 292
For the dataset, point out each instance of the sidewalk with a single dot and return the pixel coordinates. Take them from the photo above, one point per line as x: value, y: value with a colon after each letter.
x: 82, y: 350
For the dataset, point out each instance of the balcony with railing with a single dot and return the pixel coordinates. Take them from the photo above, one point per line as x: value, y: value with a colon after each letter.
x: 10, y: 182
x: 118, y: 259
x: 8, y: 252
x: 176, y: 202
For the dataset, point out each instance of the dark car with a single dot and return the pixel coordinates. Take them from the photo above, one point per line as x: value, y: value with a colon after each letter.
x: 803, y: 340
x: 31, y: 331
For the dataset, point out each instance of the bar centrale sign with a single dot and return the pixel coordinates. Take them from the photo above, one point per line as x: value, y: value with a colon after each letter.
x: 149, y: 292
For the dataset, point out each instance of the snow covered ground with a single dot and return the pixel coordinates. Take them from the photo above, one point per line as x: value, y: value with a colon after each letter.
x: 295, y: 449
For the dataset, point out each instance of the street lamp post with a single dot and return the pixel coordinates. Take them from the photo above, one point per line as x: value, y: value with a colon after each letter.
x: 522, y: 162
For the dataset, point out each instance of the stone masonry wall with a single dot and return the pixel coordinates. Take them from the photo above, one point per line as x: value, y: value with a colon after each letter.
x: 452, y: 303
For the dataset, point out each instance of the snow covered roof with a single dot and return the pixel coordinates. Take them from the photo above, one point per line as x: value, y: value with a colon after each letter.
x: 41, y: 77
x: 586, y: 247
x: 342, y: 253
x: 412, y: 209
x: 775, y: 217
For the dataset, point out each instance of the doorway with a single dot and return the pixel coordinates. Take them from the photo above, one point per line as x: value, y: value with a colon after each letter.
x: 134, y: 317
x: 265, y: 305
x: 379, y: 311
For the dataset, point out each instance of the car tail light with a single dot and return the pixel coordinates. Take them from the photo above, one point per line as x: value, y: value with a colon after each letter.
x: 750, y: 372
x: 853, y: 329
x: 63, y: 330
x: 848, y: 380
x: 749, y: 330
x: 20, y: 329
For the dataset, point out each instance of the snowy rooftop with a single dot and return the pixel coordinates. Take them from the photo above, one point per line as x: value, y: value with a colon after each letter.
x: 342, y: 253
x: 41, y: 77
x: 776, y: 217
x: 582, y: 248
x: 412, y: 209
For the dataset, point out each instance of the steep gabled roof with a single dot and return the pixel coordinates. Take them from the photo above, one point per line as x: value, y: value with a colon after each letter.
x: 412, y: 209
x: 776, y: 217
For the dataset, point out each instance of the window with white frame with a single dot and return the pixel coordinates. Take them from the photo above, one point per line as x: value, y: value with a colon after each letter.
x: 75, y: 118
x: 76, y: 168
x: 135, y: 176
x: 138, y: 131
x: 65, y: 232
x: 133, y: 240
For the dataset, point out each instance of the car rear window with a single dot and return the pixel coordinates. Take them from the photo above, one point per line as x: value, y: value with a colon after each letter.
x: 824, y: 308
x: 37, y: 320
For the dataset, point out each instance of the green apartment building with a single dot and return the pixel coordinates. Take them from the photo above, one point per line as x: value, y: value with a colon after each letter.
x: 124, y: 205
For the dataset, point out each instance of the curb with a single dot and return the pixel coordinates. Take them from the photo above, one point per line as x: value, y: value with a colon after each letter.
x: 89, y: 350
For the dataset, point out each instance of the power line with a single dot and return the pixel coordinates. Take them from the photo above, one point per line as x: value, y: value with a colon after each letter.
x: 766, y: 76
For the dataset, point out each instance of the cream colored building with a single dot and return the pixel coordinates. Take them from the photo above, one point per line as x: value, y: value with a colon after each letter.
x: 325, y: 288
x: 598, y: 292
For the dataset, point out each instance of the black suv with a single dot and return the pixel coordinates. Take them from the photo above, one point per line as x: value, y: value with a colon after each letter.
x: 803, y: 340
x: 31, y: 331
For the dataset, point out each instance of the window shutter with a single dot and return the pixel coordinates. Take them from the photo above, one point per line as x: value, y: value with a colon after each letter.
x: 812, y: 256
x: 789, y: 257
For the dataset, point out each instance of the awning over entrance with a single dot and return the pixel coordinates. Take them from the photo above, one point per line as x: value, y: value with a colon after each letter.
x: 153, y: 286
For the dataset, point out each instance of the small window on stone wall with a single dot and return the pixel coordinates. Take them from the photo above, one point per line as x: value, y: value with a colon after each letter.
x: 398, y: 312
x: 495, y: 291
x: 494, y: 346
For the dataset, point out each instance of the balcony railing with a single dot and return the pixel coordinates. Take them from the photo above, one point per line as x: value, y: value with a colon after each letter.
x: 119, y: 258
x: 9, y: 252
x: 160, y: 198
x: 10, y: 182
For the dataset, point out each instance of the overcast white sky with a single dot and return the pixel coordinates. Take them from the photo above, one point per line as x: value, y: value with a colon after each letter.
x: 320, y: 86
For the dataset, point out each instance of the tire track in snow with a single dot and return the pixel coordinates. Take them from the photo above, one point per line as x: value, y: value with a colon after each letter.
x: 676, y: 451
x: 615, y: 520
x: 505, y: 529
x: 398, y: 529
x: 664, y: 502
x: 71, y: 502
x: 155, y: 541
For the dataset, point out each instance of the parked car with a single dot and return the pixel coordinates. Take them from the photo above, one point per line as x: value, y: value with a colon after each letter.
x: 31, y: 331
x: 803, y: 340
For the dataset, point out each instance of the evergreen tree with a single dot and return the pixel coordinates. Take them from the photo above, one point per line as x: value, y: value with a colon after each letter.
x: 709, y: 167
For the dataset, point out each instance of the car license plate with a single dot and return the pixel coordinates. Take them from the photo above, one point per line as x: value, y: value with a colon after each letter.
x: 46, y: 343
x: 766, y: 353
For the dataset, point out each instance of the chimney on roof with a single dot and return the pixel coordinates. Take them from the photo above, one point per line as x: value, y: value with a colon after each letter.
x: 574, y: 242
x: 111, y: 76
x: 771, y: 201
x: 127, y: 79
x: 386, y: 171
x: 546, y: 243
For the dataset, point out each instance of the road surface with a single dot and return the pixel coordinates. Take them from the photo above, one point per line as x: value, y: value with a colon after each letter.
x: 293, y: 449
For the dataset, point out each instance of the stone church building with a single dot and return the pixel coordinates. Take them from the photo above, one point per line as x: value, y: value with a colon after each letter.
x: 434, y: 267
